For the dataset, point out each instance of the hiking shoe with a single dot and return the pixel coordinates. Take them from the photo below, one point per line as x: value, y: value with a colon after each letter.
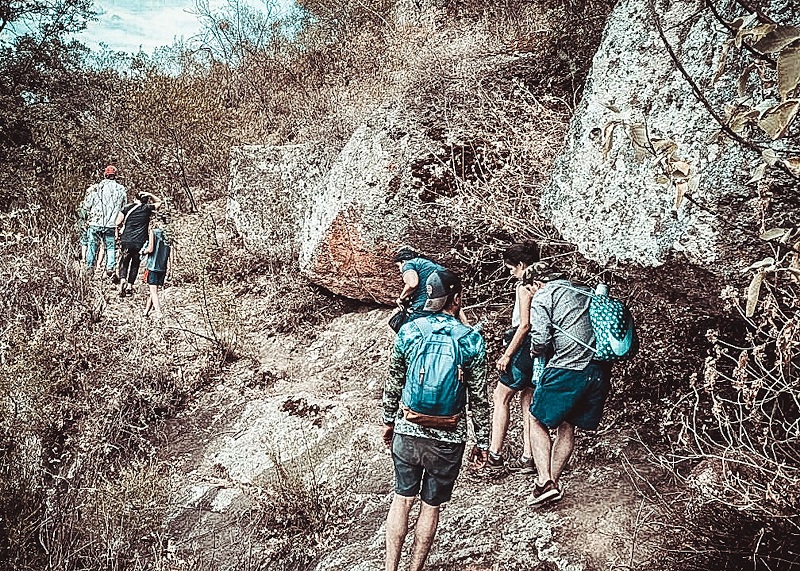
x: 548, y: 492
x: 522, y: 465
x: 494, y: 463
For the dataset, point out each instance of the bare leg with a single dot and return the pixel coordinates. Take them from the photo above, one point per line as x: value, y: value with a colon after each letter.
x: 527, y: 418
x: 540, y: 443
x: 148, y: 305
x: 396, y: 529
x: 563, y: 446
x: 501, y: 398
x: 154, y: 300
x: 101, y: 254
x: 424, y: 532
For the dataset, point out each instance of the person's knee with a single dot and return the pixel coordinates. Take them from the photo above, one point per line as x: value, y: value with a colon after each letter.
x: 502, y: 395
x: 565, y: 429
x: 403, y: 503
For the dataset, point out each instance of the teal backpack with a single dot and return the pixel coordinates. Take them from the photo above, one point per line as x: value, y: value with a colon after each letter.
x: 434, y: 385
x: 614, y: 331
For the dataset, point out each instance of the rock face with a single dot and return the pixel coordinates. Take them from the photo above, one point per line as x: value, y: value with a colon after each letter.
x: 367, y: 206
x: 269, y: 192
x: 344, y: 222
x: 609, y: 193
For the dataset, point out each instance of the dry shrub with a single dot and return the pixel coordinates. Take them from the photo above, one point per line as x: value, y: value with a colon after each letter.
x: 83, y: 401
x: 734, y: 432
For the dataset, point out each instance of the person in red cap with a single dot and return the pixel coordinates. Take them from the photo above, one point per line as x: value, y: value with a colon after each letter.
x: 103, y: 204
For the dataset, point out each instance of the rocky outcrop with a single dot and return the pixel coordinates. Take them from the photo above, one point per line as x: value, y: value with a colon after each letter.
x: 368, y: 205
x: 269, y: 192
x: 387, y: 187
x: 642, y: 174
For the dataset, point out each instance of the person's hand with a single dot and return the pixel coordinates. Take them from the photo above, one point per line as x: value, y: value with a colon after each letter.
x: 477, y: 457
x: 502, y: 363
x: 388, y: 434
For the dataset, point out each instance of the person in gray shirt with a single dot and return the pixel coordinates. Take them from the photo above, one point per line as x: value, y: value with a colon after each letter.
x: 573, y: 388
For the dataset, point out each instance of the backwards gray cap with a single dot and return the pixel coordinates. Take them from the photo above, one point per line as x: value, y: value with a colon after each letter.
x: 440, y: 285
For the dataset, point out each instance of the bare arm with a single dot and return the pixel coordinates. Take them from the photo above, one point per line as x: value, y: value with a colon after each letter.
x: 410, y: 283
x: 157, y: 202
x: 524, y: 296
x: 150, y: 243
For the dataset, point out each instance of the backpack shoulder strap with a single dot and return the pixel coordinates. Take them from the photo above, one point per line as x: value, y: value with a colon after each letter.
x: 571, y: 336
x: 423, y: 326
x: 135, y: 206
x: 587, y: 293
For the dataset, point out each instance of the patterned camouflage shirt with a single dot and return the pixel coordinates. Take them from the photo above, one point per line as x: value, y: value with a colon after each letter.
x: 474, y: 368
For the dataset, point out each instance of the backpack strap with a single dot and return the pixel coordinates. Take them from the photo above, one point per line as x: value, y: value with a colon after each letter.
x: 571, y: 336
x: 135, y: 206
x: 587, y: 293
x: 423, y: 326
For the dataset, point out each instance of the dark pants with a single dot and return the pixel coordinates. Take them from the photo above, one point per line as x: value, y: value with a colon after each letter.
x: 129, y: 266
x: 426, y: 467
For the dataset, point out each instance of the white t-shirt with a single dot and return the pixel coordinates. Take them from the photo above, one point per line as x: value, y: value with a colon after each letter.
x: 104, y: 203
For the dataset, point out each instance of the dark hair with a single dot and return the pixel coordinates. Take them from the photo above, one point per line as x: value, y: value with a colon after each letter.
x: 523, y: 252
x: 142, y: 197
x: 404, y: 254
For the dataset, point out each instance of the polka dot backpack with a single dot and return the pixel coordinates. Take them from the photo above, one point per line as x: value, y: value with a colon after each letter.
x: 614, y: 331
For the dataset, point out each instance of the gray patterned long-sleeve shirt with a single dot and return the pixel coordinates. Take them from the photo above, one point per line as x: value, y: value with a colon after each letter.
x: 558, y: 303
x: 474, y: 369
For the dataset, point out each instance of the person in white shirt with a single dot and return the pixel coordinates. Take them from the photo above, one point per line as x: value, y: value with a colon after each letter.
x: 103, y: 205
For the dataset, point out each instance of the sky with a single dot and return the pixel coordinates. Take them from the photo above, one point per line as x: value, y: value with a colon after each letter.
x: 128, y: 25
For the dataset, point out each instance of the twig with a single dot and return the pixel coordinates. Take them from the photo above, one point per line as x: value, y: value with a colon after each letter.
x: 734, y: 31
x: 698, y: 94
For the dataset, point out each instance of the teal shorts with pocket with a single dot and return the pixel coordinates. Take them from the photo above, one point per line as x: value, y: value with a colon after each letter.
x: 576, y: 397
x: 517, y: 375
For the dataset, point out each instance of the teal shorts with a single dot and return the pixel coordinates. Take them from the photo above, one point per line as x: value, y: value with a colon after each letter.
x: 517, y: 375
x: 576, y: 397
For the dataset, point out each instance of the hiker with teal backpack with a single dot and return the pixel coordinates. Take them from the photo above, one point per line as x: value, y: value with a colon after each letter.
x: 155, y: 256
x: 516, y: 366
x: 437, y: 368
x: 587, y: 331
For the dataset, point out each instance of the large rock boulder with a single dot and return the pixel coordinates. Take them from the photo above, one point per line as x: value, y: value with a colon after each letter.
x: 641, y: 137
x: 370, y: 203
x: 389, y: 186
x: 269, y: 191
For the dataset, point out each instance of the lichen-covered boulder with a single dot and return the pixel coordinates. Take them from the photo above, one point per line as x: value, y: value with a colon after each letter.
x: 643, y: 173
x: 269, y: 191
x: 367, y: 206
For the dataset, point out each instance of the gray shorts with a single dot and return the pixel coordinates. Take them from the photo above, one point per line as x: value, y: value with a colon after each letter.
x: 430, y: 464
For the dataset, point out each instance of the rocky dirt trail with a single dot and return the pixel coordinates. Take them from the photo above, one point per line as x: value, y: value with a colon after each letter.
x: 292, y: 427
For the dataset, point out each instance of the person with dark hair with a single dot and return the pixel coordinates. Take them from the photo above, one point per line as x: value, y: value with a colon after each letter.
x: 416, y: 269
x: 437, y: 366
x: 133, y: 225
x: 103, y: 205
x: 573, y: 388
x: 156, y: 257
x: 515, y: 365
